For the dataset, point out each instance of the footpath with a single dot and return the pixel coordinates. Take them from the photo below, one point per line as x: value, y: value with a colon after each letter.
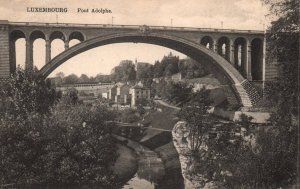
x: 167, y: 105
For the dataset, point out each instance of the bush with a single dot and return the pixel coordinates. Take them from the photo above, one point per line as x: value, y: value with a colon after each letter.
x: 256, y: 158
x: 129, y: 116
x: 174, y: 92
x: 26, y: 92
x: 71, y: 146
x: 47, y: 143
x: 142, y: 101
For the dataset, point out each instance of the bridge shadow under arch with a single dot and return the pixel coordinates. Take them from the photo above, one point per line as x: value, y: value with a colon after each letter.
x: 231, y: 80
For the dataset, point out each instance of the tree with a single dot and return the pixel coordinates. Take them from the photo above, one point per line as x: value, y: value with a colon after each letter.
x: 80, y: 146
x: 46, y: 142
x: 177, y: 92
x: 129, y: 116
x: 191, y: 69
x: 283, y: 45
x: 170, y: 64
x: 22, y: 143
x: 58, y: 79
x: 100, y: 78
x: 60, y: 75
x: 27, y: 92
x: 125, y: 71
x: 144, y: 71
x: 71, y: 79
x: 84, y: 79
x: 219, y: 151
x: 196, y: 115
x: 70, y: 97
x: 158, y: 69
x: 142, y: 101
x: 167, y: 66
x: 170, y: 70
x: 141, y: 110
x: 72, y: 145
x: 148, y: 82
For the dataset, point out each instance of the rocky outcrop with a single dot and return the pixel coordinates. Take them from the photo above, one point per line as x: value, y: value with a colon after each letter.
x: 180, y: 133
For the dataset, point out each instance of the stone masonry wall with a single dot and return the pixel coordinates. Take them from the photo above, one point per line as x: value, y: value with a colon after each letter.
x: 4, y: 52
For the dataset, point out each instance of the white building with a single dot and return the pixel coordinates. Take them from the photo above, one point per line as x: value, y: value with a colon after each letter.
x: 139, y: 92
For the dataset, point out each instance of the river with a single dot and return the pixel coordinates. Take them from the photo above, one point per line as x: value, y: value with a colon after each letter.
x: 153, y: 172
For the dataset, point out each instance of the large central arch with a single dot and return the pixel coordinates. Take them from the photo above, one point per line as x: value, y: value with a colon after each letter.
x: 237, y: 88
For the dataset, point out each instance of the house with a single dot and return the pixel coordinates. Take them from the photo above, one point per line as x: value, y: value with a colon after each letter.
x: 112, y: 92
x: 122, y: 93
x: 176, y: 77
x: 139, y: 92
x: 209, y: 82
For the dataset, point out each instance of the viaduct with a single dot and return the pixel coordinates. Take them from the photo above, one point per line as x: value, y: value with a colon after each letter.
x: 235, y: 57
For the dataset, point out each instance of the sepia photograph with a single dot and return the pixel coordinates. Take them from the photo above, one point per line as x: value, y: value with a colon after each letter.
x: 149, y: 94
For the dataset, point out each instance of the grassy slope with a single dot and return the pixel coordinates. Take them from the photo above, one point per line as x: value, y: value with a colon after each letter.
x: 163, y: 120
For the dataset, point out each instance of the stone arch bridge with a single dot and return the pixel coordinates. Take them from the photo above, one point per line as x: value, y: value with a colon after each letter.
x: 235, y: 57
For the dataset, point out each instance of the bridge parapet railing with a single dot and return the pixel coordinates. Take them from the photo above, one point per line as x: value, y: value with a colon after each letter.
x: 135, y: 27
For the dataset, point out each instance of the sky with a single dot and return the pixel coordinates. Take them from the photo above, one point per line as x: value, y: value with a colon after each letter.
x: 234, y: 14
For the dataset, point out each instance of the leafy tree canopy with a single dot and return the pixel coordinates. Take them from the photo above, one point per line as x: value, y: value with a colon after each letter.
x: 283, y: 47
x: 25, y: 92
x: 125, y: 71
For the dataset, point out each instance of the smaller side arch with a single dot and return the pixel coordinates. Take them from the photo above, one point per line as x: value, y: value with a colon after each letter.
x: 34, y: 35
x: 207, y: 41
x: 57, y: 35
x: 240, y: 55
x: 37, y: 34
x: 13, y: 37
x: 77, y: 35
x: 16, y: 34
x: 224, y: 47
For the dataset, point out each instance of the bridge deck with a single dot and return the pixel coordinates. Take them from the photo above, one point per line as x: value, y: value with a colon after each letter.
x: 133, y: 27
